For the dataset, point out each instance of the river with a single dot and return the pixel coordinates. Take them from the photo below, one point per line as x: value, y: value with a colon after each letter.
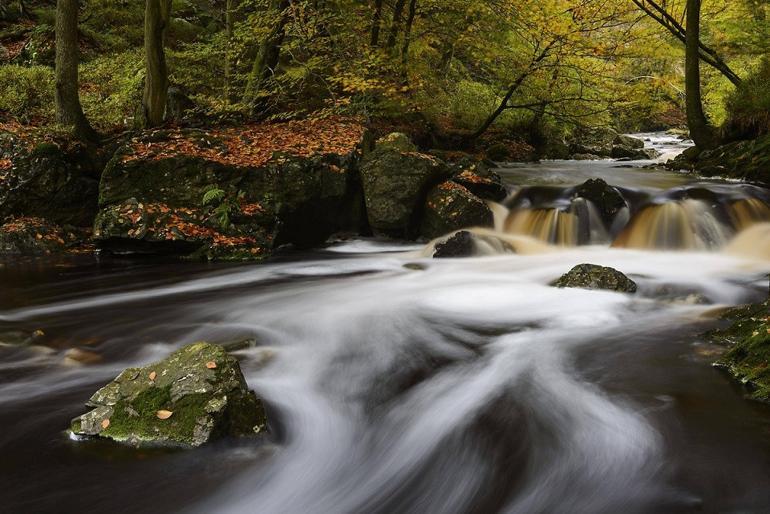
x: 399, y: 383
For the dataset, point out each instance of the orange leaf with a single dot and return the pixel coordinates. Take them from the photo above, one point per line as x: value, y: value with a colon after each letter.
x: 164, y: 414
x: 105, y: 423
x: 211, y: 365
x: 153, y: 375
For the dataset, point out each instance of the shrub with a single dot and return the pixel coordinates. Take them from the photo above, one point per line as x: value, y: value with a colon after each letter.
x: 27, y: 93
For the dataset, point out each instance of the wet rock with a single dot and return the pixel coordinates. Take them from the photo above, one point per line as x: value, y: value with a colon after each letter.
x: 586, y: 157
x: 748, y: 343
x: 450, y: 207
x: 395, y: 184
x: 745, y: 160
x: 196, y: 395
x: 591, y: 276
x: 607, y: 199
x: 396, y: 142
x: 21, y: 338
x: 634, y: 154
x: 32, y: 237
x: 80, y: 357
x: 459, y: 245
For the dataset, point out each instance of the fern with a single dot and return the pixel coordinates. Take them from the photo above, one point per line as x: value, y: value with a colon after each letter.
x: 214, y: 195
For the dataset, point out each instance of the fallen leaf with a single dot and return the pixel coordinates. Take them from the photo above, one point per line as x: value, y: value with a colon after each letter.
x: 105, y: 423
x: 164, y: 414
x: 153, y: 375
x: 211, y: 365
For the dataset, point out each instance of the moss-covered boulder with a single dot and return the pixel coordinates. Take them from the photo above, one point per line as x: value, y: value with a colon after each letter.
x: 196, y: 395
x: 395, y: 184
x: 450, y: 207
x: 748, y: 340
x: 628, y: 141
x: 591, y: 276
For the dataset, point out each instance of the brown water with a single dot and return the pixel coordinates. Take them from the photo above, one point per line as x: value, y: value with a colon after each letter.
x: 451, y: 386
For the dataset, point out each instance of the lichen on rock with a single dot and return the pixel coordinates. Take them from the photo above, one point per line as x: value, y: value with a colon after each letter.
x: 196, y: 395
x: 591, y: 276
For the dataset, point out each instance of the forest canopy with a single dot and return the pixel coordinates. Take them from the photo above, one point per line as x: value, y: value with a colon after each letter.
x: 531, y: 68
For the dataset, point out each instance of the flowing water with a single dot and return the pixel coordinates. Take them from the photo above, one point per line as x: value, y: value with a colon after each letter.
x: 398, y: 383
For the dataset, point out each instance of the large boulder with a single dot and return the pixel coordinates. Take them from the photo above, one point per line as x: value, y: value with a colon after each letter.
x: 450, y: 207
x: 591, y: 276
x: 628, y: 141
x: 633, y: 154
x: 396, y: 181
x: 46, y: 182
x: 256, y: 199
x: 745, y: 160
x: 478, y: 178
x: 196, y: 395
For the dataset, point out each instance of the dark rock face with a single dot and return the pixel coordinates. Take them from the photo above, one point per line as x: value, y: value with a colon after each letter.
x: 46, y: 182
x: 451, y: 207
x: 748, y: 340
x: 395, y: 184
x: 196, y: 395
x: 459, y: 245
x: 606, y: 198
x: 154, y: 204
x: 591, y: 276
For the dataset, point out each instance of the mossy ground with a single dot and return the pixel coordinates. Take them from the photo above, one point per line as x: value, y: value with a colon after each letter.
x: 748, y: 359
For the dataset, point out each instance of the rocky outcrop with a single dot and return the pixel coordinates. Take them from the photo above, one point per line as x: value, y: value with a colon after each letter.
x: 603, y: 143
x: 196, y: 395
x: 478, y: 178
x: 396, y: 180
x: 44, y: 181
x: 450, y: 207
x: 34, y: 237
x: 591, y: 276
x: 745, y: 160
x: 154, y: 202
x: 748, y: 355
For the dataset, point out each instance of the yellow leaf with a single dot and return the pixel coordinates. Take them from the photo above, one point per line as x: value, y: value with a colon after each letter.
x: 153, y: 375
x: 164, y: 414
x: 105, y: 423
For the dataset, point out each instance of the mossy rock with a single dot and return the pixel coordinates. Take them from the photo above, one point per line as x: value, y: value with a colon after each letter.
x: 591, y: 276
x: 196, y: 395
x: 450, y: 207
x: 32, y: 237
x: 748, y: 359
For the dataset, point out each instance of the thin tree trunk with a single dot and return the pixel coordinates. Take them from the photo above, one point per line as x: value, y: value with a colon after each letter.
x: 408, y: 33
x: 156, y: 20
x: 269, y: 54
x: 395, y: 26
x: 702, y: 133
x: 229, y: 7
x: 69, y: 112
x: 376, y: 23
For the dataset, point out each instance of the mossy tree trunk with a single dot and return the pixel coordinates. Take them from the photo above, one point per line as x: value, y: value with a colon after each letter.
x: 701, y: 131
x: 408, y: 34
x: 269, y: 54
x: 395, y: 26
x: 156, y: 21
x: 69, y: 112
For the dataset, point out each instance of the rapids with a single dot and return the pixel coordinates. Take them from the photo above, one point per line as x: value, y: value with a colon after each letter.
x: 398, y: 383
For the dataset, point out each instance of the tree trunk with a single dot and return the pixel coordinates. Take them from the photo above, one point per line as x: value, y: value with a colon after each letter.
x: 229, y: 7
x: 269, y: 54
x: 376, y: 23
x: 156, y: 20
x: 702, y: 133
x: 408, y: 33
x: 395, y: 26
x: 69, y: 112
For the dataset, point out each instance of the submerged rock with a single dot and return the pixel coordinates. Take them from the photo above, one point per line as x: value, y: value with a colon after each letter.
x: 451, y: 207
x: 459, y: 245
x: 748, y: 340
x: 607, y: 199
x: 469, y: 244
x: 591, y: 276
x: 196, y: 395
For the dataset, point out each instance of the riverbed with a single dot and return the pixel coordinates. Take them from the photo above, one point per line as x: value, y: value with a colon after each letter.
x: 399, y: 383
